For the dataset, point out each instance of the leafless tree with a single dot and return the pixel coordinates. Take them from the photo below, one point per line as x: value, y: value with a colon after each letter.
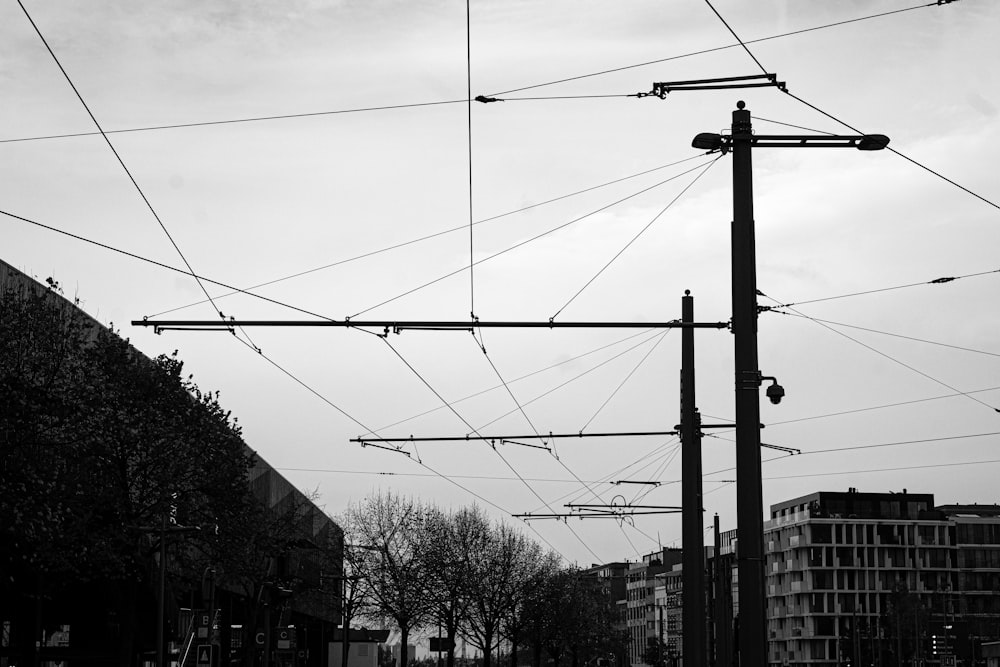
x: 390, y: 534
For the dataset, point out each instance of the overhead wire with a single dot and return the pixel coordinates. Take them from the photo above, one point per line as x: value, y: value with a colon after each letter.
x: 161, y: 265
x: 433, y: 235
x: 881, y: 407
x: 936, y: 281
x: 640, y: 233
x: 473, y: 429
x: 254, y: 119
x: 233, y: 121
x: 121, y: 162
x: 889, y: 357
x: 626, y: 379
x: 884, y: 333
x: 847, y: 125
x: 468, y: 80
x: 524, y: 242
x: 522, y: 377
x: 714, y: 49
x: 482, y: 346
x: 568, y: 381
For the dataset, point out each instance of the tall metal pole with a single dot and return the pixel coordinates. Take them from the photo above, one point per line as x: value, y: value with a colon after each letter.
x: 692, y: 535
x: 161, y: 603
x: 749, y: 510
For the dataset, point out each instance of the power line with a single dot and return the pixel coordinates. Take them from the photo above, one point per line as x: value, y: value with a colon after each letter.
x: 905, y: 157
x: 254, y: 119
x: 468, y: 80
x: 572, y: 379
x: 525, y: 242
x: 733, y: 32
x: 714, y: 49
x: 625, y: 380
x: 232, y: 121
x: 522, y: 377
x: 885, y: 333
x: 236, y: 290
x: 888, y: 356
x: 936, y: 281
x: 118, y: 157
x: 432, y: 235
x: 473, y: 429
x: 640, y: 233
x: 882, y: 407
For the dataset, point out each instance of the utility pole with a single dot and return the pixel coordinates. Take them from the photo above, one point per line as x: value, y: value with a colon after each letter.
x: 692, y: 517
x: 749, y: 501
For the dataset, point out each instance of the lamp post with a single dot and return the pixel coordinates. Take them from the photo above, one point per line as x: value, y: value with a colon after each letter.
x: 748, y: 378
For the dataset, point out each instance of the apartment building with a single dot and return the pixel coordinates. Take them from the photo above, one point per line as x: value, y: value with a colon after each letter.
x: 641, y: 602
x: 880, y: 579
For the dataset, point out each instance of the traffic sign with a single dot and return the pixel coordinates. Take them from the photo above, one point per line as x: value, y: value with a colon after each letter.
x: 204, y: 655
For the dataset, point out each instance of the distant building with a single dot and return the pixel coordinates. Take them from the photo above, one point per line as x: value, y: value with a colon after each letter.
x: 641, y: 606
x: 610, y: 578
x: 880, y: 578
x: 362, y: 648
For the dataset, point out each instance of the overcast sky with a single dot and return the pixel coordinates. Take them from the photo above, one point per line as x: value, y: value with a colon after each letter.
x: 252, y: 202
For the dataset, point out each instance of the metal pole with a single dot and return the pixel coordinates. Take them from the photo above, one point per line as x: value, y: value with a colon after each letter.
x: 163, y: 591
x: 749, y: 510
x: 693, y: 557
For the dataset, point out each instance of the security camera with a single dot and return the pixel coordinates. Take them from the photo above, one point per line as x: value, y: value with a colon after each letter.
x: 775, y: 392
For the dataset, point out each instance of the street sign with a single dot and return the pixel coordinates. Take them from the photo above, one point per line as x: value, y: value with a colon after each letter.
x: 204, y: 655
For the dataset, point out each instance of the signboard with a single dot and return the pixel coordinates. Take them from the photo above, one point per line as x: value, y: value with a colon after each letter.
x: 285, y: 639
x: 203, y: 655
x: 203, y: 622
x: 442, y: 644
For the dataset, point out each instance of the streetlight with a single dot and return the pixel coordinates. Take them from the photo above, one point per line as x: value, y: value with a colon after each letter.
x: 749, y: 501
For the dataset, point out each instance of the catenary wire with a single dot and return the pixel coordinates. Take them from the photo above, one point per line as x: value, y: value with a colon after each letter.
x: 320, y: 396
x: 433, y: 235
x: 636, y: 237
x: 889, y: 357
x: 525, y: 242
x: 893, y: 150
x: 568, y: 381
x: 733, y: 32
x: 884, y: 333
x: 464, y: 421
x: 236, y: 290
x: 626, y: 379
x: 468, y: 81
x: 233, y: 121
x: 522, y: 377
x: 461, y: 101
x: 882, y: 407
x: 936, y: 281
x: 482, y: 346
x: 713, y: 49
x: 118, y: 157
x: 849, y: 126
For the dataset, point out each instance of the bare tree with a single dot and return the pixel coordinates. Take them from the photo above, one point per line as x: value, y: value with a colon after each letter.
x: 506, y: 561
x: 455, y: 543
x: 390, y: 533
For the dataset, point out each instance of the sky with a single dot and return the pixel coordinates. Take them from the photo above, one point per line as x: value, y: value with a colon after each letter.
x: 365, y: 142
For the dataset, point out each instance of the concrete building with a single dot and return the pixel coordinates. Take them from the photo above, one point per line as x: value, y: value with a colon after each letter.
x: 610, y: 578
x: 641, y: 606
x: 880, y: 578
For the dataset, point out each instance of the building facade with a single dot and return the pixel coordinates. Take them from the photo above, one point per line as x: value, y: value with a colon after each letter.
x: 880, y: 579
x: 641, y: 606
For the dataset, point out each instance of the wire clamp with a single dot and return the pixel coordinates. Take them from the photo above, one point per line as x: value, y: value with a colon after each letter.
x: 487, y: 100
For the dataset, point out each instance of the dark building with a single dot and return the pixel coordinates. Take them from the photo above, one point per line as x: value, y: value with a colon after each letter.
x: 290, y: 606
